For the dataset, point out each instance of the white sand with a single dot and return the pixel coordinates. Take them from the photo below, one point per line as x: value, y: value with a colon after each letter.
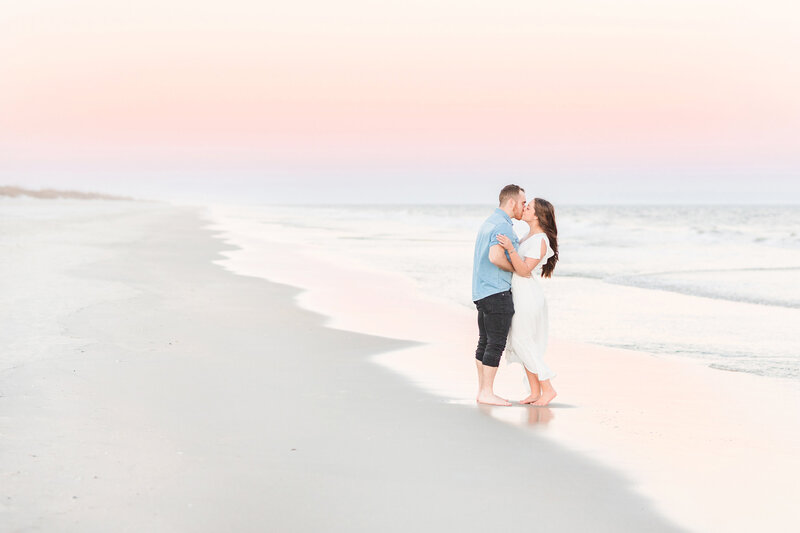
x: 143, y: 388
x: 713, y: 450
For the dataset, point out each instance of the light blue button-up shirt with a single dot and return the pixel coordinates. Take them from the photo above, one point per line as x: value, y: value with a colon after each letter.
x: 487, y: 278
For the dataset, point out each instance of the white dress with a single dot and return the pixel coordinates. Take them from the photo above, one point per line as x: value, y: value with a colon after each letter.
x: 527, y: 338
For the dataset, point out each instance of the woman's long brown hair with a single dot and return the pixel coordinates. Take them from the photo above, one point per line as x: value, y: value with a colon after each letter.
x: 547, y: 220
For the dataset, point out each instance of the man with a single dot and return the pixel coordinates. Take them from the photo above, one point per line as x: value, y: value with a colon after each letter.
x: 491, y: 289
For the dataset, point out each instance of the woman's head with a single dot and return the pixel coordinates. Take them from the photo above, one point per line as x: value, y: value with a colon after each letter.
x: 537, y: 210
x: 529, y: 213
x: 545, y: 216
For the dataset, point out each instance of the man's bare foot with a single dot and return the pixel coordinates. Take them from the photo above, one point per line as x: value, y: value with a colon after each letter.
x: 530, y: 399
x: 491, y: 399
x: 547, y: 397
x: 478, y: 398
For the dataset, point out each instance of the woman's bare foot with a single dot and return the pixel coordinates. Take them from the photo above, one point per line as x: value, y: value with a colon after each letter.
x: 530, y: 399
x: 491, y: 399
x: 536, y: 387
x: 547, y: 397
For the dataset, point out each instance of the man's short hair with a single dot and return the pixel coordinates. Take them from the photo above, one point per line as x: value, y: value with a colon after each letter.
x: 510, y: 191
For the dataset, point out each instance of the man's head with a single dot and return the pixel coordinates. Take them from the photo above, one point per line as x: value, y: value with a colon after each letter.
x: 512, y: 200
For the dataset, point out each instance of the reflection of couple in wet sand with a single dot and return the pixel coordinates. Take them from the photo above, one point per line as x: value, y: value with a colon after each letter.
x: 541, y: 416
x: 512, y: 310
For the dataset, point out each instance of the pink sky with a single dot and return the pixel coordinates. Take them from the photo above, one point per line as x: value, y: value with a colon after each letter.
x: 354, y: 87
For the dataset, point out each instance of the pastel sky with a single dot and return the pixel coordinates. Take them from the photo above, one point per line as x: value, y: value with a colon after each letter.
x: 585, y: 101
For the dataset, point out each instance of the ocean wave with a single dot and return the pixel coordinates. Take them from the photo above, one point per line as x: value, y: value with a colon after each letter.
x: 762, y: 364
x: 670, y: 281
x: 759, y: 369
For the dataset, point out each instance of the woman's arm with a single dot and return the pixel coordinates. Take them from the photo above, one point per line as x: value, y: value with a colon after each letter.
x: 522, y: 267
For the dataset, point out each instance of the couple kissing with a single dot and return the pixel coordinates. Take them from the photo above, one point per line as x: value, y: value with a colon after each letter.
x: 512, y: 310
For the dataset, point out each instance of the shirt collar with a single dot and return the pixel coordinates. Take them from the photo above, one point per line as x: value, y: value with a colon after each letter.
x: 504, y: 214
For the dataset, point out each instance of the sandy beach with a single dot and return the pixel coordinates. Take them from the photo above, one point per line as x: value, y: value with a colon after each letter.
x: 145, y: 388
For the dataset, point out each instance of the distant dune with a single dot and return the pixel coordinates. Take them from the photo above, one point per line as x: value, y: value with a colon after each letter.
x: 14, y: 191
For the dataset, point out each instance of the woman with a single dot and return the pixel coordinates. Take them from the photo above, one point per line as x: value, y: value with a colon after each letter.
x: 527, y: 339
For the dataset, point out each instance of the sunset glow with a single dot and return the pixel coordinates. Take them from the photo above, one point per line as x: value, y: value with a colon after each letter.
x: 366, y: 88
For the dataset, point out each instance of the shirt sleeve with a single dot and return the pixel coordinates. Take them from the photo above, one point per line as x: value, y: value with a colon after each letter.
x: 539, y: 253
x: 535, y: 250
x: 547, y: 250
x: 503, y: 229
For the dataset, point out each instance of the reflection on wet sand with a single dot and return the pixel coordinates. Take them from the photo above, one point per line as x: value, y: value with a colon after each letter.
x: 519, y: 414
x: 539, y: 415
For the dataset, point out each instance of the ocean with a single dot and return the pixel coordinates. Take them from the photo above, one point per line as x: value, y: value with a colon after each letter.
x: 717, y: 283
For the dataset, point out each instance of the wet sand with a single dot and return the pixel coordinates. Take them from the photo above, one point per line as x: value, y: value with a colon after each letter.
x: 712, y: 450
x: 145, y: 388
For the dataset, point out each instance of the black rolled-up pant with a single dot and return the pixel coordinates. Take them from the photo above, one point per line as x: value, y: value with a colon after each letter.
x: 494, y: 320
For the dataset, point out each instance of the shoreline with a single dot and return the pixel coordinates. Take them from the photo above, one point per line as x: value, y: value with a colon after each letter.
x: 622, y: 424
x: 433, y: 246
x: 174, y: 395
